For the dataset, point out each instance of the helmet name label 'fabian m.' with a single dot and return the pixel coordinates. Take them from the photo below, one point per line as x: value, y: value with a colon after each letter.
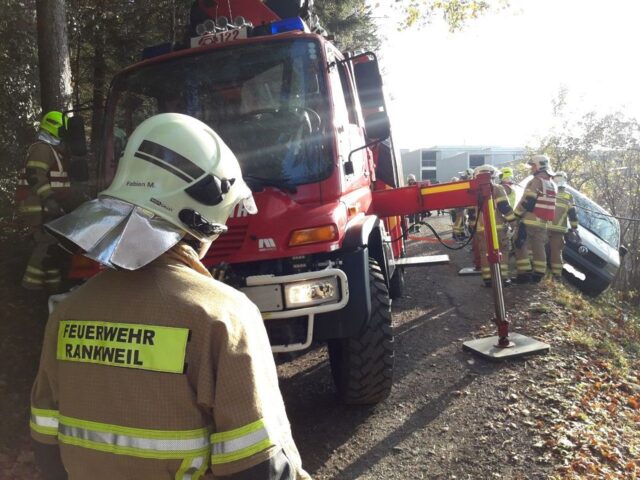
x: 134, y: 183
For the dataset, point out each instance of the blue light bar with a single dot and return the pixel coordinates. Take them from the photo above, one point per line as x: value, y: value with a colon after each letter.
x: 288, y: 25
x: 156, y: 50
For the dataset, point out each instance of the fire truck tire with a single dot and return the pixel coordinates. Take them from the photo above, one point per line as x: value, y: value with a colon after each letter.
x: 396, y: 284
x: 362, y: 365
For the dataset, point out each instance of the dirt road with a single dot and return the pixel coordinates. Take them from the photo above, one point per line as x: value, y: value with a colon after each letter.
x: 450, y: 415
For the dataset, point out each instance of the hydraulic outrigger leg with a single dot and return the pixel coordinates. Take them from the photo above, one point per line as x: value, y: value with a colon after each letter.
x: 417, y: 198
x: 502, y: 346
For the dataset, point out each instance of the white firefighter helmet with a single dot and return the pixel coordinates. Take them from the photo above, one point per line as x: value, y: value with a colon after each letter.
x: 455, y: 179
x: 175, y: 177
x: 466, y: 174
x: 560, y: 178
x: 490, y: 169
x: 541, y: 162
x: 411, y: 179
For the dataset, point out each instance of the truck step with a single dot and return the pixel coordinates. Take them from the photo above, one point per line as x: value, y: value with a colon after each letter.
x: 421, y: 260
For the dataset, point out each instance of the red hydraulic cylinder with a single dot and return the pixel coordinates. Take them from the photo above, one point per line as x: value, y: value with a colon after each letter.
x: 479, y: 191
x: 417, y: 198
x: 494, y: 257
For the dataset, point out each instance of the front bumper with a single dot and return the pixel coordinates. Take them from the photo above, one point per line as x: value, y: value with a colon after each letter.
x: 590, y: 264
x: 268, y: 293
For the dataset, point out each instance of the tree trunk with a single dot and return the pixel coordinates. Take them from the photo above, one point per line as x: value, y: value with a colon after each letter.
x: 53, y: 55
x: 99, y: 81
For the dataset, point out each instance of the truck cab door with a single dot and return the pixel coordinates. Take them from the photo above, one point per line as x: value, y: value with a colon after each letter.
x: 348, y: 127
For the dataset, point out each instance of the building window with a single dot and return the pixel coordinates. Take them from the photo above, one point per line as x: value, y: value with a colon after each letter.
x: 428, y: 158
x: 476, y: 160
x: 429, y: 175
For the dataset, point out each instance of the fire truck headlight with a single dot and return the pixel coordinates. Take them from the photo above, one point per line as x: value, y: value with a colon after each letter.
x: 311, y: 292
x: 200, y: 29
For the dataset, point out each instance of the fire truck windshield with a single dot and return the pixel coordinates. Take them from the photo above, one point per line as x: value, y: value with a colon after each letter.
x: 267, y: 101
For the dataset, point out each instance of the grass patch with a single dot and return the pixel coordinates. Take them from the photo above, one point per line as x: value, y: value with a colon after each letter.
x: 614, y: 352
x: 582, y: 338
x: 606, y: 324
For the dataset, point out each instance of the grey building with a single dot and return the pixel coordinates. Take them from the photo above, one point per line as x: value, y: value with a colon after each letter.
x: 441, y: 163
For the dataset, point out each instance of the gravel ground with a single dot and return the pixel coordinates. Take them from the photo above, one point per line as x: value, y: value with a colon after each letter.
x: 450, y: 414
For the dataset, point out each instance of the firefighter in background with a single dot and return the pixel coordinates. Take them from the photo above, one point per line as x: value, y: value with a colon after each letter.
x: 153, y: 369
x: 504, y: 218
x: 535, y: 211
x: 43, y: 189
x: 411, y: 180
x: 565, y: 208
x: 475, y: 242
x: 459, y: 215
x: 457, y: 218
x: 506, y: 180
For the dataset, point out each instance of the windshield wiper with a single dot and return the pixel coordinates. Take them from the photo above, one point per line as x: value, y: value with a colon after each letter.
x: 258, y: 183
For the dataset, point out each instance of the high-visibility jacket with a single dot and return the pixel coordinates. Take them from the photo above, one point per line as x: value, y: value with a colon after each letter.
x: 160, y: 373
x: 565, y: 208
x: 511, y: 193
x: 538, y: 203
x: 44, y: 175
x: 502, y: 208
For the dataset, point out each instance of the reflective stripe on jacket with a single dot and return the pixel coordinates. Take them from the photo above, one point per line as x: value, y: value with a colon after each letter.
x: 511, y: 193
x: 504, y: 212
x: 159, y: 373
x: 44, y: 175
x: 565, y: 208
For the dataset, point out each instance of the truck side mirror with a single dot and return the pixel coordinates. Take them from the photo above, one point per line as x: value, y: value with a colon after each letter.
x: 623, y: 251
x: 369, y: 83
x: 76, y: 139
x: 377, y: 126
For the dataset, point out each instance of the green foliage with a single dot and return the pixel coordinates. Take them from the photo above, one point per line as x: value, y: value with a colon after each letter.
x: 601, y: 154
x: 350, y: 22
x: 456, y: 13
x: 105, y: 36
x: 19, y: 98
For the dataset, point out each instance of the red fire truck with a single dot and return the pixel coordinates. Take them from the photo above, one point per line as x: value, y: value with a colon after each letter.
x: 309, y: 126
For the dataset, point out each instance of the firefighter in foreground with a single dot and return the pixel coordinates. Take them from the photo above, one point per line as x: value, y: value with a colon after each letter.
x: 504, y: 218
x: 558, y: 228
x: 153, y: 369
x: 535, y: 211
x: 42, y: 191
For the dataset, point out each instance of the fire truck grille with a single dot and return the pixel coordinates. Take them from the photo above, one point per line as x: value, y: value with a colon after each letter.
x: 227, y: 244
x: 287, y: 331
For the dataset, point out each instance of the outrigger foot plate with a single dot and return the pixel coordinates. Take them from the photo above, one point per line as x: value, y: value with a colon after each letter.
x: 519, y: 346
x: 468, y: 271
x: 421, y: 260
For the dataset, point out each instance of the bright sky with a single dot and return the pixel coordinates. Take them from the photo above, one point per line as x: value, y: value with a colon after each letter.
x: 493, y: 83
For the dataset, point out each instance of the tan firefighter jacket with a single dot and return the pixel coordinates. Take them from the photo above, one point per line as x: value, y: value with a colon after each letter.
x: 159, y: 373
x: 502, y: 208
x: 538, y: 202
x: 565, y: 207
x: 44, y: 176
